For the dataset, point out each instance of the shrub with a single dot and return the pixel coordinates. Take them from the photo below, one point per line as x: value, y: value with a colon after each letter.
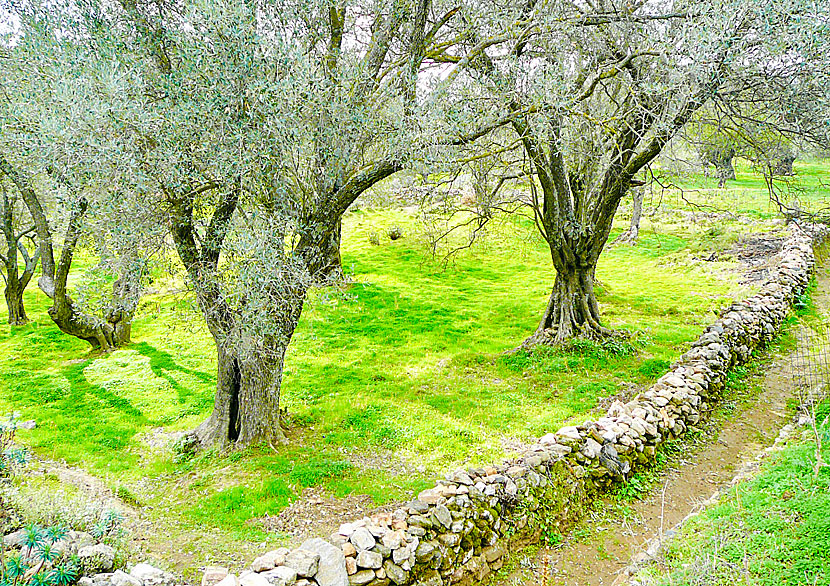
x: 48, y: 504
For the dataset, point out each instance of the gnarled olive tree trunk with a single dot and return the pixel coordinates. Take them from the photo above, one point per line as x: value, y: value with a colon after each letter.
x: 631, y: 235
x: 15, y: 286
x: 126, y: 293
x: 65, y: 312
x: 572, y: 309
x: 247, y: 399
x: 721, y: 159
x: 784, y: 165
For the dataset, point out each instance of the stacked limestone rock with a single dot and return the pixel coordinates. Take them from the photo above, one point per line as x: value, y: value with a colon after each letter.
x: 452, y: 533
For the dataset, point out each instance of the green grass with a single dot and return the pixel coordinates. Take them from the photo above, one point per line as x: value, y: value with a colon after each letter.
x: 748, y: 193
x: 389, y: 381
x: 770, y: 531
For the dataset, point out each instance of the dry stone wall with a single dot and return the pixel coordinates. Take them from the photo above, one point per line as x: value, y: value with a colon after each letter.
x: 456, y: 533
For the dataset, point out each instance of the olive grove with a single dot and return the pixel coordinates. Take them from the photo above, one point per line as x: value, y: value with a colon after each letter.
x: 597, y: 90
x: 251, y: 127
x: 245, y: 129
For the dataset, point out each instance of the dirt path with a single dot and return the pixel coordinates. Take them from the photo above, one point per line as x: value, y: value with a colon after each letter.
x: 615, y: 535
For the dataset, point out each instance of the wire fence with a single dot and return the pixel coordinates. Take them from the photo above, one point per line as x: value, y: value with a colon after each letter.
x: 810, y: 361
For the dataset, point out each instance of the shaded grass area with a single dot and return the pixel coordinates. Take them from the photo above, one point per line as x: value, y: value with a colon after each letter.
x: 774, y: 529
x: 389, y: 381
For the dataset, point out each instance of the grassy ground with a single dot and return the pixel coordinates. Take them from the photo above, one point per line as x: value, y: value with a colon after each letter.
x: 774, y: 529
x: 748, y: 193
x: 389, y: 381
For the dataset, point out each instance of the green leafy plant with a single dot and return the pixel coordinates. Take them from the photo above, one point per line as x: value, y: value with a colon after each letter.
x: 11, y: 456
x: 109, y: 525
x: 45, y: 564
x: 126, y: 495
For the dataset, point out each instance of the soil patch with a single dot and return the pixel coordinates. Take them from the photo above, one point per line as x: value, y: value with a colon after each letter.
x: 757, y: 253
x: 316, y: 514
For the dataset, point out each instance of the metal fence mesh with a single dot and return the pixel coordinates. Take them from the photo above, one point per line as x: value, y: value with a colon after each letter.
x: 810, y: 361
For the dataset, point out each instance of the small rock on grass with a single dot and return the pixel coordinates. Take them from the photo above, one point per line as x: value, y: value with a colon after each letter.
x: 96, y: 558
x: 14, y: 539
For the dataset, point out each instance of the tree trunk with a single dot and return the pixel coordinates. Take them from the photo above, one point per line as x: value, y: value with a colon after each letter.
x: 14, y: 302
x: 721, y: 159
x: 784, y: 166
x: 331, y: 269
x: 126, y: 293
x: 572, y: 309
x: 726, y: 172
x: 630, y: 236
x: 15, y: 281
x: 247, y: 399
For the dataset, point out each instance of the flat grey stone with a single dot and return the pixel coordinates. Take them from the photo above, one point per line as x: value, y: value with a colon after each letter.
x: 362, y: 539
x: 369, y: 559
x: 120, y: 578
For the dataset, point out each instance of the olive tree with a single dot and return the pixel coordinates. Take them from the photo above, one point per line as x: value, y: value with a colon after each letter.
x: 719, y: 134
x: 253, y: 126
x: 49, y: 143
x: 18, y: 238
x: 596, y: 90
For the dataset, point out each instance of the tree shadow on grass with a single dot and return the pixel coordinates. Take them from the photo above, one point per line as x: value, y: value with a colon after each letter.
x: 87, y: 419
x: 162, y: 364
x: 80, y: 387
